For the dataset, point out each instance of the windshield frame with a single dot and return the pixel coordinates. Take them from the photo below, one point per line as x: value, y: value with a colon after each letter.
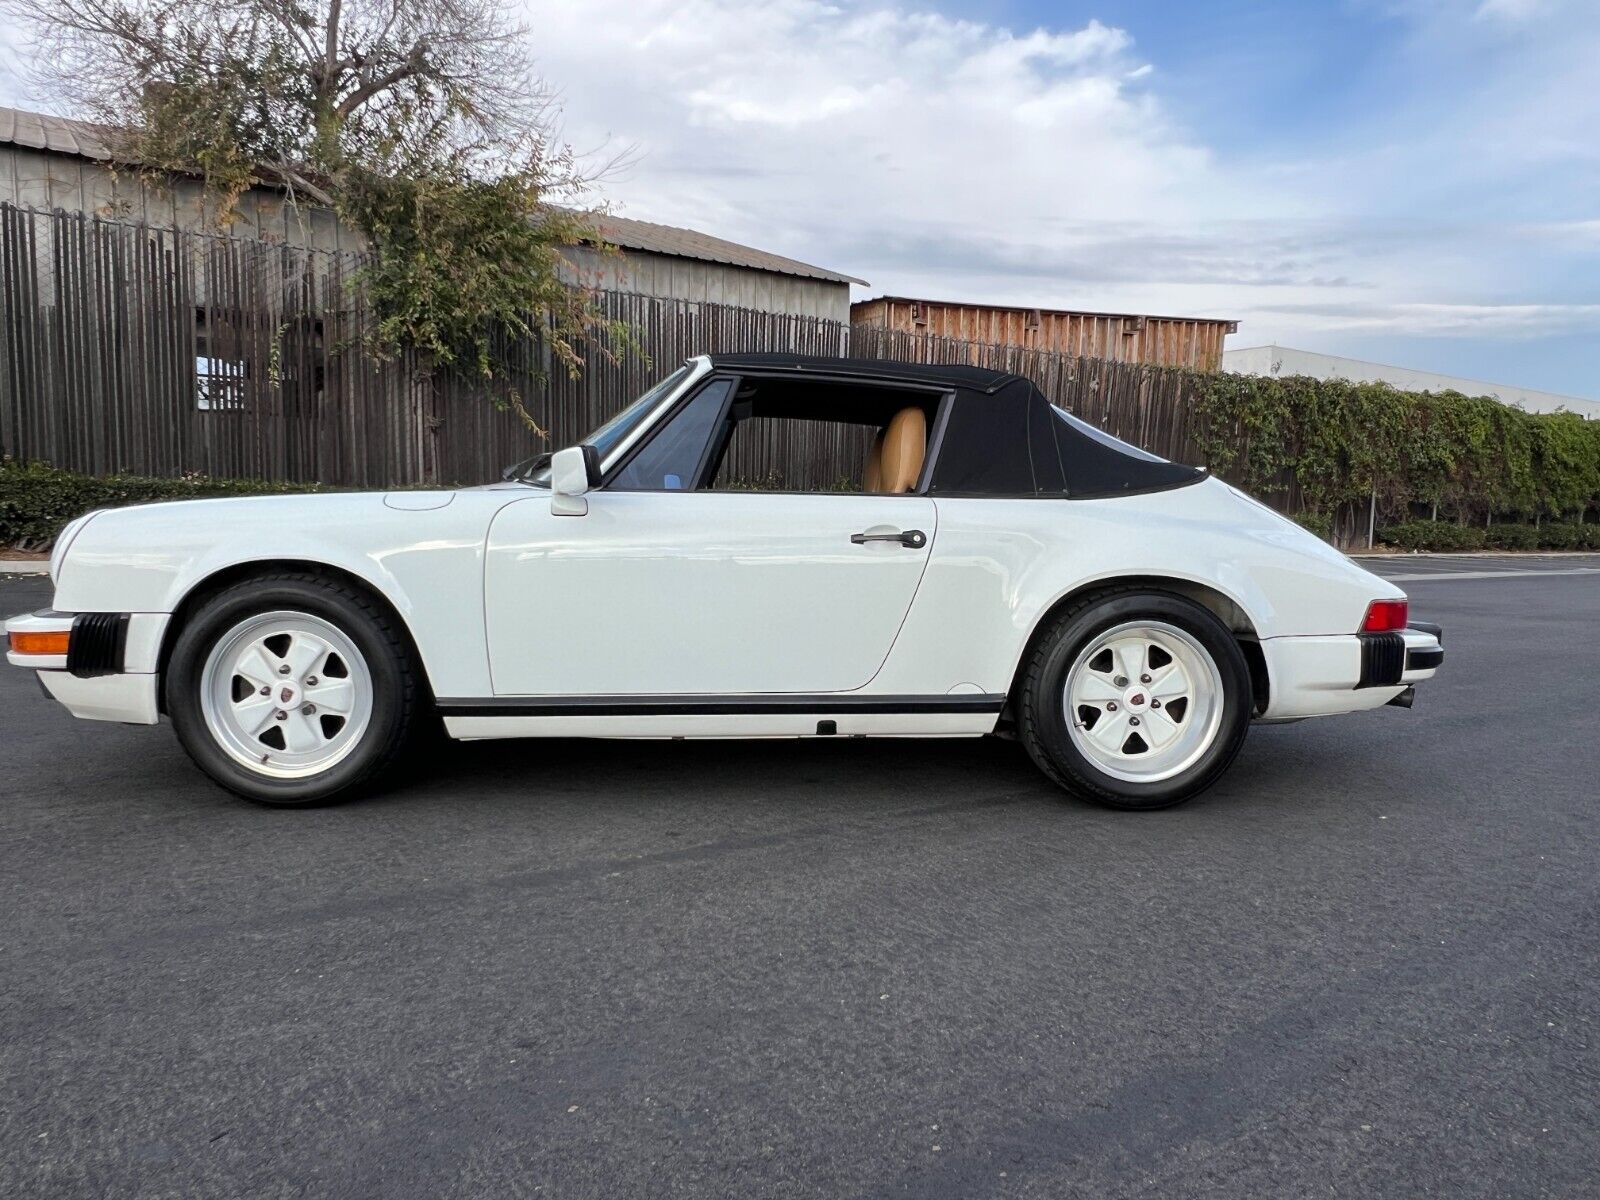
x: 615, y: 437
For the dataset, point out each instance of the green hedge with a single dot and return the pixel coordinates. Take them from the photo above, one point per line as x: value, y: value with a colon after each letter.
x: 37, y: 500
x: 1511, y: 537
x: 1553, y: 536
x: 1432, y: 535
x: 1471, y: 456
x: 1448, y: 536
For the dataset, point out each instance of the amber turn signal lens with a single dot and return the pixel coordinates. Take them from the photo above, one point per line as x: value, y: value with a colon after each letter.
x: 54, y: 642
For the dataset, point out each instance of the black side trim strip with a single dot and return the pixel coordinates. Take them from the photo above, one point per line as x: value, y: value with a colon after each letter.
x: 98, y: 639
x: 1113, y: 494
x: 660, y: 706
x: 1423, y: 660
x: 1383, y: 659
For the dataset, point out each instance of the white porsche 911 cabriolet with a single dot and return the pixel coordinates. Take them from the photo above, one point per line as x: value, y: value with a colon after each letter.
x: 1003, y: 568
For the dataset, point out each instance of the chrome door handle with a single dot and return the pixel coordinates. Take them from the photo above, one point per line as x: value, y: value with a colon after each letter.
x: 913, y: 539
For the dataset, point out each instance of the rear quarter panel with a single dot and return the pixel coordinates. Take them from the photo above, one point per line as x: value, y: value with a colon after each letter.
x: 999, y: 565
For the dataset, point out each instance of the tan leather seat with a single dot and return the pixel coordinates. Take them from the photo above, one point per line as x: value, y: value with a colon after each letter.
x: 872, y: 476
x: 895, y: 460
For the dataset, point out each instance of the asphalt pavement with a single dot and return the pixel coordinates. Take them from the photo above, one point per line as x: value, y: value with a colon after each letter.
x: 1362, y: 965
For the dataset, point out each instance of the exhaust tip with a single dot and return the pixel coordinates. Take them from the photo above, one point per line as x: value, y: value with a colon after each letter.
x: 1405, y: 699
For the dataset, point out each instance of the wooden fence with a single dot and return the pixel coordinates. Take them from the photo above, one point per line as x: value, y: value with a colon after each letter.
x: 135, y: 349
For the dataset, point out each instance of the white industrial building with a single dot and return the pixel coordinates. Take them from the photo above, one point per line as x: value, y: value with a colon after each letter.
x: 1283, y: 360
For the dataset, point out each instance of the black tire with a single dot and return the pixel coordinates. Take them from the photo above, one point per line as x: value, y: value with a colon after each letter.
x: 1041, y: 705
x: 398, y: 695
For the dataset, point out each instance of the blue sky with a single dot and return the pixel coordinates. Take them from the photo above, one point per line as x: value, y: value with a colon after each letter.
x: 1410, y: 181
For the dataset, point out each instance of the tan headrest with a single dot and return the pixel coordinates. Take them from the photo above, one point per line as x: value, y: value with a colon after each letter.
x: 905, y: 444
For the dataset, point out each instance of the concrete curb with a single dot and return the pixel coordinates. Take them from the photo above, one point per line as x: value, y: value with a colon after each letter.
x: 1406, y: 554
x: 24, y: 566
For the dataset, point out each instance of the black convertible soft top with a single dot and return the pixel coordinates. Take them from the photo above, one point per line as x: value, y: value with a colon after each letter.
x: 949, y: 375
x: 999, y: 436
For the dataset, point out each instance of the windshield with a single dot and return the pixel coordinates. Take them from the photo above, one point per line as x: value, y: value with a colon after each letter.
x: 536, y: 470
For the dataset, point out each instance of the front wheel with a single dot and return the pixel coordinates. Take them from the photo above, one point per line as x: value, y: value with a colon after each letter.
x: 1135, y: 700
x: 292, y: 689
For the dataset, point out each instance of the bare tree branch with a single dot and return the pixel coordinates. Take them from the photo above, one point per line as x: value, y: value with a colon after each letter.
x: 330, y: 49
x: 370, y: 87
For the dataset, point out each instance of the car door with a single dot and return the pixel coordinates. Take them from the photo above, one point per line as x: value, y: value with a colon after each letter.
x: 680, y: 592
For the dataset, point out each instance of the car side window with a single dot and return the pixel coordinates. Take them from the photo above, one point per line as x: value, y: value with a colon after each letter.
x: 671, y: 460
x: 778, y: 454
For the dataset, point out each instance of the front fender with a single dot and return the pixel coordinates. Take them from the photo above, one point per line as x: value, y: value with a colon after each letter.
x: 427, y: 563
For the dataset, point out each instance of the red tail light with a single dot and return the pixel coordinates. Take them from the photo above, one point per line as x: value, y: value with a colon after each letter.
x: 1384, y: 616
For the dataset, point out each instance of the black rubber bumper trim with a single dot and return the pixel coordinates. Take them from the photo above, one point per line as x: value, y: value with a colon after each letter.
x: 1428, y: 627
x: 97, y: 645
x: 1423, y: 660
x: 1383, y: 660
x: 697, y: 706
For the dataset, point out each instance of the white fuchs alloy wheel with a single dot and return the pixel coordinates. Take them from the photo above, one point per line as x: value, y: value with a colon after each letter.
x: 286, y: 694
x: 1143, y: 701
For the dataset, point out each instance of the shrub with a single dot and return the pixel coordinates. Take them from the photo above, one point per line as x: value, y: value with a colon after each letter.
x: 1511, y: 537
x: 36, y: 500
x: 1555, y: 536
x: 1320, y: 524
x: 1433, y: 535
x: 1583, y: 536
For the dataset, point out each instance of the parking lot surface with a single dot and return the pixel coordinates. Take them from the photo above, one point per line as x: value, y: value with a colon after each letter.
x: 1363, y: 964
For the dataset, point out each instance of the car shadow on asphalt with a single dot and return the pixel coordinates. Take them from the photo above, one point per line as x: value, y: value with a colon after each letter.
x: 867, y: 772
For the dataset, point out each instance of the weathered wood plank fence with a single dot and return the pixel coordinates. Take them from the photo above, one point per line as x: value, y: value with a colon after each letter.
x: 130, y: 348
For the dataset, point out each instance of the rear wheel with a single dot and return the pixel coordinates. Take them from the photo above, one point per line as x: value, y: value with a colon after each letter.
x: 1135, y: 700
x: 292, y: 689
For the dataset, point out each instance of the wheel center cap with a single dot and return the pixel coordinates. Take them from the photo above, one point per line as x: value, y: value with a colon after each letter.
x: 288, y: 695
x: 1137, y: 700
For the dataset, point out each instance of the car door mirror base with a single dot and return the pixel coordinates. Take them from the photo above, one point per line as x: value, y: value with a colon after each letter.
x: 568, y: 506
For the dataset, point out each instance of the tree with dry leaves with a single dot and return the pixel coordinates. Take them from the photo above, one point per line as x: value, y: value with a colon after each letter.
x: 420, y: 122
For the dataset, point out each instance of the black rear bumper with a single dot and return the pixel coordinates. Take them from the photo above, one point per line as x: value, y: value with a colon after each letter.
x: 1424, y: 660
x: 1385, y: 660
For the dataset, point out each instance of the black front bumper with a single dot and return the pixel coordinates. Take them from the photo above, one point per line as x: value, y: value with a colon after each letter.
x: 99, y: 640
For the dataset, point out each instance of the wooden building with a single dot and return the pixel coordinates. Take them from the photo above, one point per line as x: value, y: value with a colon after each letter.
x: 1194, y: 342
x: 664, y: 260
x: 49, y: 163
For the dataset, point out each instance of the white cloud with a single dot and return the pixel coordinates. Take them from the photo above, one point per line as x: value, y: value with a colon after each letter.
x: 799, y: 122
x: 963, y: 159
x: 12, y: 92
x: 1509, y: 10
x: 1507, y: 321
